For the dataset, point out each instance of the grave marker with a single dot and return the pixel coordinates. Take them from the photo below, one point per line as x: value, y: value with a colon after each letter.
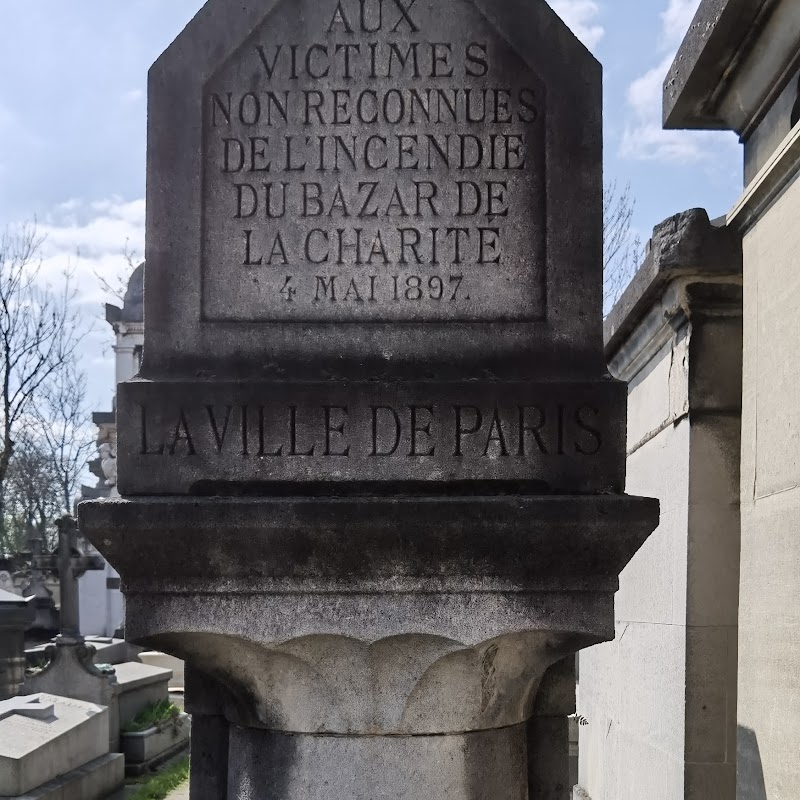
x: 16, y: 615
x: 373, y: 442
x: 401, y: 254
x: 44, y: 736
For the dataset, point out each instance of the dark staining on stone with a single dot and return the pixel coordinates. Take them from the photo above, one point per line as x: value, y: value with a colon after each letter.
x: 795, y: 117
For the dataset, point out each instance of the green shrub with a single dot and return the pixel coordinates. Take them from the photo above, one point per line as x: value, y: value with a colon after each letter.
x: 153, y: 716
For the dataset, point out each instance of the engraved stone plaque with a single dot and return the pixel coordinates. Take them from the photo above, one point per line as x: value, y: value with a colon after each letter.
x: 374, y: 254
x: 354, y: 188
x: 207, y: 437
x: 377, y: 160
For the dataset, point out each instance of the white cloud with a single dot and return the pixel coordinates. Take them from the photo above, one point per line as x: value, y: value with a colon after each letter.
x: 581, y: 17
x: 69, y: 205
x: 91, y: 239
x: 644, y: 138
x: 675, y: 21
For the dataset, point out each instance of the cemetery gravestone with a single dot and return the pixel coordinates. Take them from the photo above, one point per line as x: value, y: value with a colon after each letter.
x: 70, y: 669
x: 52, y: 746
x: 46, y: 621
x: 373, y: 442
x: 390, y: 227
x: 16, y: 615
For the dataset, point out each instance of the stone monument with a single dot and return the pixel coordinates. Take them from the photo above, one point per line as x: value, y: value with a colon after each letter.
x: 16, y: 616
x: 46, y: 621
x: 70, y: 668
x: 55, y: 747
x: 372, y: 467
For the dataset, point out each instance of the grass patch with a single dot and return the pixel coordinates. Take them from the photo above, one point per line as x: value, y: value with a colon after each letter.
x: 158, y: 786
x: 153, y: 716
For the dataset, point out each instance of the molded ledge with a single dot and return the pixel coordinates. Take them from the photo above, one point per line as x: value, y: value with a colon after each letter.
x: 685, y: 245
x: 372, y: 615
x: 370, y: 544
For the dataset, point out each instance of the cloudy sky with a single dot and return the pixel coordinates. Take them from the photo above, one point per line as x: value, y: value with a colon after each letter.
x: 72, y: 126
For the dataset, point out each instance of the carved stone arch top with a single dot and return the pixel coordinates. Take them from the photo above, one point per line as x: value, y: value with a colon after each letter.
x: 357, y: 176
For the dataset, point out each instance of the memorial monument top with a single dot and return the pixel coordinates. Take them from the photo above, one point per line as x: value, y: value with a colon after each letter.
x: 374, y: 253
x: 358, y: 187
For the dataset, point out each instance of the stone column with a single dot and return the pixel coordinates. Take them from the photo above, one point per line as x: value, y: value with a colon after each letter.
x: 68, y: 580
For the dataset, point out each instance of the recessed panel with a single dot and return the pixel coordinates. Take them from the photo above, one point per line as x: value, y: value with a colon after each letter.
x: 368, y: 161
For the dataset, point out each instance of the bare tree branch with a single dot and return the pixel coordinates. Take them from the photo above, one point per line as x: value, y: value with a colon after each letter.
x: 116, y: 286
x: 32, y: 496
x: 622, y: 250
x: 64, y: 428
x: 39, y: 332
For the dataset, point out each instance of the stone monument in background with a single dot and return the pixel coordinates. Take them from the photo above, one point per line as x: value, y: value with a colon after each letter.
x: 372, y: 467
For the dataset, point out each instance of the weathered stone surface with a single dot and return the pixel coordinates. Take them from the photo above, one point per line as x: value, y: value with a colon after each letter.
x: 384, y: 544
x: 146, y: 749
x: 125, y: 690
x: 398, y: 176
x: 445, y: 146
x: 153, y: 658
x: 140, y: 686
x: 96, y: 780
x: 713, y: 38
x: 498, y: 63
x: 388, y: 454
x: 769, y: 616
x: 222, y: 438
x: 16, y: 614
x: 715, y: 82
x: 35, y: 749
x: 687, y: 245
x: 461, y: 767
x: 373, y: 614
x: 661, y: 700
x: 70, y: 672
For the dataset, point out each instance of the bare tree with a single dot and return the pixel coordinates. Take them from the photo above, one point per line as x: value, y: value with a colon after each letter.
x: 39, y: 332
x: 32, y: 496
x: 622, y: 249
x: 64, y: 428
x: 116, y: 285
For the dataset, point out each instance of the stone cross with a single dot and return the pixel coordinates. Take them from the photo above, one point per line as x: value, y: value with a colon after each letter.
x: 70, y: 567
x: 27, y: 706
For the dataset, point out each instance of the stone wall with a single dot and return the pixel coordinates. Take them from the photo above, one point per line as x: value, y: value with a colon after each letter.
x: 660, y: 700
x: 769, y: 706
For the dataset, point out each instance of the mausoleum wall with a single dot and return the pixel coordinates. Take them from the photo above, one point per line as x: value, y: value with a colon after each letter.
x: 769, y: 654
x: 660, y: 700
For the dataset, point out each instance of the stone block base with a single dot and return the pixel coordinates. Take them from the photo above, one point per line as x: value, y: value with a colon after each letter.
x: 93, y: 781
